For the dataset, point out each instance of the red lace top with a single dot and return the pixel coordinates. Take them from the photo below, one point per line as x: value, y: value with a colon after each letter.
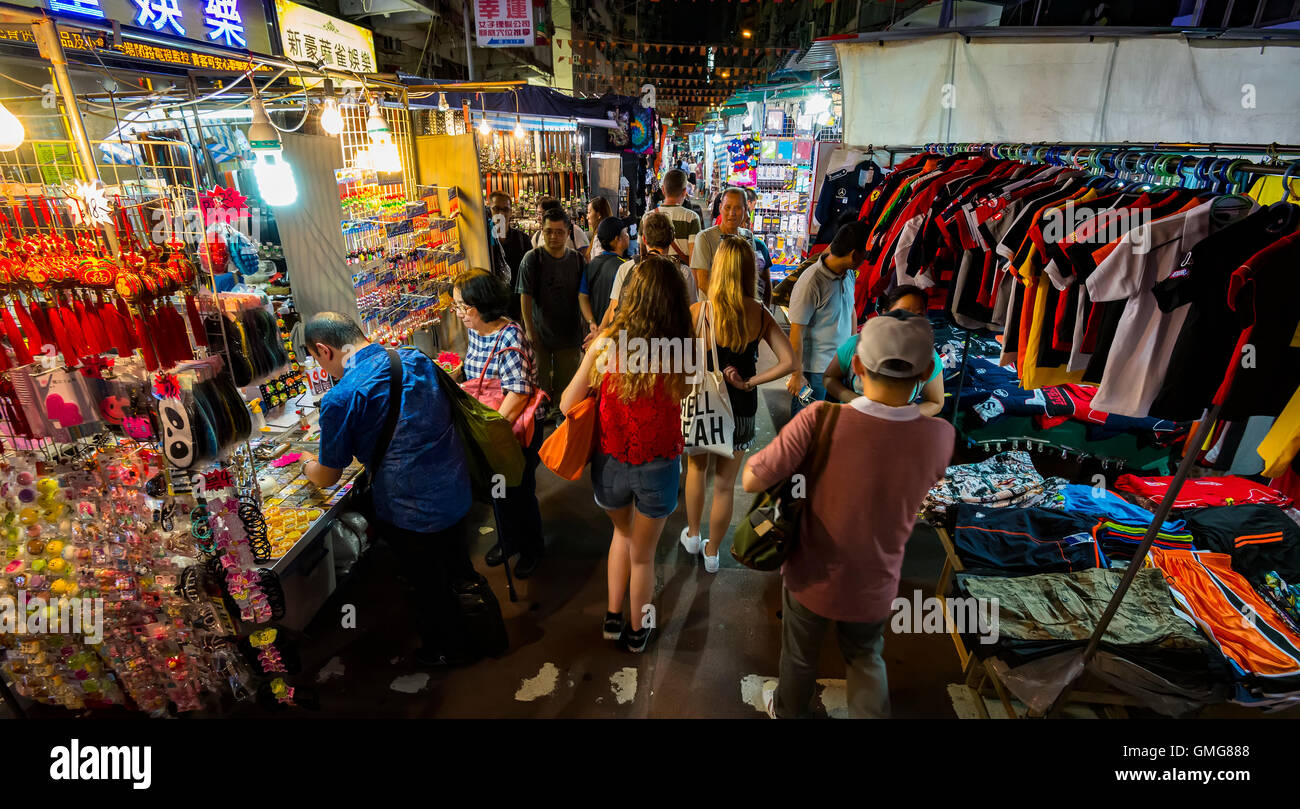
x: 642, y: 430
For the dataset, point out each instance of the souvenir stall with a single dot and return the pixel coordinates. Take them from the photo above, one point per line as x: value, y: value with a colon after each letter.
x: 130, y: 486
x: 532, y: 159
x: 1076, y: 258
x: 150, y: 426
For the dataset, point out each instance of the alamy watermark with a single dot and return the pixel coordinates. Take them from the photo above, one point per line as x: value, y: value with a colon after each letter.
x: 942, y: 616
x: 195, y: 228
x: 21, y: 615
x: 654, y: 355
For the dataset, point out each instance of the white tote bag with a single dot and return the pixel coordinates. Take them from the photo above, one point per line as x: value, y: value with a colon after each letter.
x: 707, y: 421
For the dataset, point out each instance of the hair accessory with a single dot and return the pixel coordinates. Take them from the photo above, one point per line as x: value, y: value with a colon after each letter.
x: 250, y: 514
x: 274, y: 593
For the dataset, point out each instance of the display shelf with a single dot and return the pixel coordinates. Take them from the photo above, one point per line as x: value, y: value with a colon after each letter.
x: 402, y: 253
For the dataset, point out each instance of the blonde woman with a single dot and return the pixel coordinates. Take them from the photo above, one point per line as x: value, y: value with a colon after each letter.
x: 635, y: 471
x: 738, y: 323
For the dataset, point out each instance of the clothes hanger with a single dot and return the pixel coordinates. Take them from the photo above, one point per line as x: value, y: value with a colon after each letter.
x: 1231, y: 205
x: 1284, y: 215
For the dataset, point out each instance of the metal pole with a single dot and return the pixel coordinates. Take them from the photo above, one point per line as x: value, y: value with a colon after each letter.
x: 469, y: 46
x: 208, y: 160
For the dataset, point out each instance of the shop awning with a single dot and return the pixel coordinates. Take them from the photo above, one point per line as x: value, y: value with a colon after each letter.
x: 532, y: 100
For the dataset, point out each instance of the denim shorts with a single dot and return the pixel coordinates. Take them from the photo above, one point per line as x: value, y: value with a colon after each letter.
x: 652, y: 486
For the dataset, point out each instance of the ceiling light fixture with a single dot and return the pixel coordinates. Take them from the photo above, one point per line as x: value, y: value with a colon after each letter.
x: 331, y: 118
x: 274, y: 175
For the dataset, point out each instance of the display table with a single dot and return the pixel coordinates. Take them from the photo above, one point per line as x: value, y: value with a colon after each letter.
x: 291, y: 504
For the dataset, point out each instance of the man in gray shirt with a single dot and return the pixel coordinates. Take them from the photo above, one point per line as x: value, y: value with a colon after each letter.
x: 734, y: 209
x: 821, y: 309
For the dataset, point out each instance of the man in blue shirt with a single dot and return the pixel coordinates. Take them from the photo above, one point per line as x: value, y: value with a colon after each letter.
x: 421, y: 489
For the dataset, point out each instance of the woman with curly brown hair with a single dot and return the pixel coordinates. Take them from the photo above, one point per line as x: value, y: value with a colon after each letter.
x: 638, y: 368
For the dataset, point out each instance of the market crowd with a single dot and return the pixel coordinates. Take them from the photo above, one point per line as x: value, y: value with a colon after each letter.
x: 541, y: 342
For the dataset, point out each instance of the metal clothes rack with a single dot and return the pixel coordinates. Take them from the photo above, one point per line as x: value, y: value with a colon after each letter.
x: 1152, y: 162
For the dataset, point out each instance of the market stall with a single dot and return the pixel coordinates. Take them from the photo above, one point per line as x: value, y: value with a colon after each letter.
x: 151, y: 418
x: 1069, y: 431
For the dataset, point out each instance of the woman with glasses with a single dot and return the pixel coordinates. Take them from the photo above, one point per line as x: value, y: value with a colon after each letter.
x: 499, y: 350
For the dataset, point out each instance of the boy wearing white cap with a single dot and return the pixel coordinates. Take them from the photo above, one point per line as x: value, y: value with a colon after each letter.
x: 882, y: 457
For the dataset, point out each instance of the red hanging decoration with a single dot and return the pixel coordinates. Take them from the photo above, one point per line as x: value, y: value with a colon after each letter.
x: 30, y: 330
x: 15, y: 338
x: 142, y: 339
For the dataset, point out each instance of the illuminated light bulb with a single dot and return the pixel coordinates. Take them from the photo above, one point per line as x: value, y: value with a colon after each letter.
x: 519, y: 127
x: 386, y: 157
x: 442, y: 102
x: 11, y: 130
x: 331, y: 118
x: 274, y: 174
x: 275, y: 178
x: 485, y: 128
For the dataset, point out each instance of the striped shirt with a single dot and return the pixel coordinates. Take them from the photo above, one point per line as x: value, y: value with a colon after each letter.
x: 686, y: 225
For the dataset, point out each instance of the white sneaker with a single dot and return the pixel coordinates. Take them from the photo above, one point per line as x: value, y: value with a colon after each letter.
x: 710, y: 562
x: 769, y: 698
x: 690, y: 543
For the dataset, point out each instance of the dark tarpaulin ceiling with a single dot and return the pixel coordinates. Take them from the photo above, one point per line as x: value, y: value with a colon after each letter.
x: 533, y: 100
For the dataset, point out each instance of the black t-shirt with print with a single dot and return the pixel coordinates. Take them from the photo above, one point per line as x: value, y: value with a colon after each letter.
x: 1209, y: 333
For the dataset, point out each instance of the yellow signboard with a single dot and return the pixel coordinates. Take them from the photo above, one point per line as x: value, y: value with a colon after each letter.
x: 310, y: 36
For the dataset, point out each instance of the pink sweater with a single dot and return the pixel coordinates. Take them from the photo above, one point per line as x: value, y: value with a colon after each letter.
x: 882, y: 462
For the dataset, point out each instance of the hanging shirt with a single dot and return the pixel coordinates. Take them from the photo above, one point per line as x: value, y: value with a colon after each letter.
x: 1139, y: 356
x: 841, y: 197
x: 1265, y: 368
x: 1209, y: 333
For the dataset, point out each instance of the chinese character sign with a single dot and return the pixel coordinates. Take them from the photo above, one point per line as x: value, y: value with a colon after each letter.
x: 224, y: 23
x: 81, y: 8
x: 160, y: 14
x: 237, y: 24
x: 504, y: 23
x: 310, y: 36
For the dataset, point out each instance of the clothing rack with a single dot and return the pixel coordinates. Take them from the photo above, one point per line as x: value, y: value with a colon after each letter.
x: 1152, y: 162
